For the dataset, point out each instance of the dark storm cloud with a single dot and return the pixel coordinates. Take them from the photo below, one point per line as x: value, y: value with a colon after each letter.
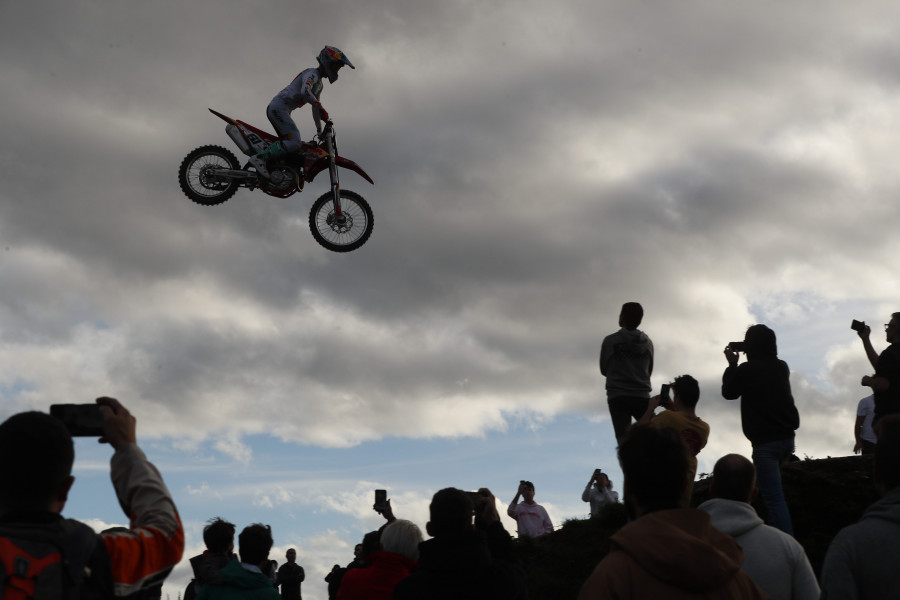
x: 535, y: 167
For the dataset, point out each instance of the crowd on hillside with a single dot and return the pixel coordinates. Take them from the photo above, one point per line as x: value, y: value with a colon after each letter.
x: 721, y: 549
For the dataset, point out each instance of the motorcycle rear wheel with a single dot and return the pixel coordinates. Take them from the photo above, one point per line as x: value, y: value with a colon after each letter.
x: 347, y: 232
x: 196, y: 175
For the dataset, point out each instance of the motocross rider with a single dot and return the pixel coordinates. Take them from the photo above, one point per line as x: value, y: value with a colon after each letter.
x: 306, y: 88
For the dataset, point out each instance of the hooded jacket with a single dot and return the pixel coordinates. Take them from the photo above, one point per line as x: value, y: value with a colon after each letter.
x: 775, y: 561
x: 626, y: 359
x: 861, y: 562
x: 673, y: 554
x: 239, y: 583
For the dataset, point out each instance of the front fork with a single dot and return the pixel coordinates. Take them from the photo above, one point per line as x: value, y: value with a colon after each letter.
x: 335, y: 180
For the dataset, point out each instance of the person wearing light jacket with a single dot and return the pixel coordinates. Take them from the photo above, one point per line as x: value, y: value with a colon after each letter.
x: 599, y: 492
x: 775, y: 561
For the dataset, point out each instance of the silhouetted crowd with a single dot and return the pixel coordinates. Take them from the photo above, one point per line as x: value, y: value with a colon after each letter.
x: 720, y: 549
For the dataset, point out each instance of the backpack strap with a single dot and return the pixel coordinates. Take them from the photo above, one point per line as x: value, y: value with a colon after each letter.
x: 78, y: 543
x: 20, y: 571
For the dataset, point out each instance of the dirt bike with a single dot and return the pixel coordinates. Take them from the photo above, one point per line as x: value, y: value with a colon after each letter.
x: 339, y: 220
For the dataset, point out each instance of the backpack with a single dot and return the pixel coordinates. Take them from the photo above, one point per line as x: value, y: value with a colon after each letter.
x: 50, y: 561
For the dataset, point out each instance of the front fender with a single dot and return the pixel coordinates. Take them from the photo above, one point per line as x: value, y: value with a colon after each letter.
x: 322, y: 165
x: 349, y: 164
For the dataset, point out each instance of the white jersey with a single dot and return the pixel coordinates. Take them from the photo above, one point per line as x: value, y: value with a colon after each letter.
x: 305, y: 88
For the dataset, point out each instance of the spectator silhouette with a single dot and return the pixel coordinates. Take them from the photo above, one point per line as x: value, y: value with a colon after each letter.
x: 861, y: 562
x: 218, y: 535
x: 626, y: 360
x: 862, y: 427
x: 35, y: 481
x: 599, y: 492
x: 531, y: 518
x: 461, y: 561
x: 773, y: 559
x: 768, y: 415
x: 246, y: 580
x: 336, y: 575
x: 289, y: 577
x: 885, y: 383
x: 666, y: 551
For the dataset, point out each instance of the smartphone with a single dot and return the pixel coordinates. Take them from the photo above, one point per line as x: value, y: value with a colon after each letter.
x: 380, y: 499
x: 857, y: 325
x: 664, y: 395
x: 737, y: 346
x: 82, y: 420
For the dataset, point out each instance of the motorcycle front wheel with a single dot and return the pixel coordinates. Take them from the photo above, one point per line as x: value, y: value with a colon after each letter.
x: 197, y: 175
x: 341, y: 233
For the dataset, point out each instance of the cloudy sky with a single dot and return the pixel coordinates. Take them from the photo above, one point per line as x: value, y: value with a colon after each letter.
x: 536, y: 165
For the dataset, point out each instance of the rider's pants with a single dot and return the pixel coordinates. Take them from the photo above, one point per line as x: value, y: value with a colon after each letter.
x: 279, y: 113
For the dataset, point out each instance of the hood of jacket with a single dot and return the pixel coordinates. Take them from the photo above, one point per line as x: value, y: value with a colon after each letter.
x: 682, y: 548
x: 632, y: 342
x: 731, y: 516
x: 887, y: 508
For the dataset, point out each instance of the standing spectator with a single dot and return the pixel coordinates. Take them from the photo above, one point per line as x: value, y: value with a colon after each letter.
x: 773, y: 559
x: 861, y: 562
x: 599, y: 492
x: 885, y: 383
x: 462, y: 562
x: 626, y: 360
x: 393, y: 562
x: 531, y: 518
x: 246, y: 580
x: 290, y: 576
x: 680, y: 416
x: 35, y: 481
x: 218, y: 535
x: 665, y: 551
x: 336, y: 575
x: 768, y: 415
x: 862, y: 428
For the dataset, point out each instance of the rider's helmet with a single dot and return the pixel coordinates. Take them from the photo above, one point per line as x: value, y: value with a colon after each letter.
x: 331, y: 60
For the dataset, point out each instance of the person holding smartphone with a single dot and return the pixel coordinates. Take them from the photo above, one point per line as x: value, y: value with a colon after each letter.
x: 885, y: 383
x: 599, y: 492
x: 531, y: 518
x: 680, y: 415
x: 769, y: 416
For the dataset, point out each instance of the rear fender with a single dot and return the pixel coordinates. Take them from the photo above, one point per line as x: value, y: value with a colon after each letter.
x: 256, y: 138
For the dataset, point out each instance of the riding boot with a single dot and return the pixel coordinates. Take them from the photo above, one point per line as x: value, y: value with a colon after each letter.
x: 272, y: 151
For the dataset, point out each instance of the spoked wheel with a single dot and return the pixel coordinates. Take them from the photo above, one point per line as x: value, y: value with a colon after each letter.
x: 341, y: 233
x: 197, y: 175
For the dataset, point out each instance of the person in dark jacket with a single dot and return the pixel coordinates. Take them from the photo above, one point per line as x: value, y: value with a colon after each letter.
x: 290, y: 576
x: 462, y: 561
x: 769, y: 417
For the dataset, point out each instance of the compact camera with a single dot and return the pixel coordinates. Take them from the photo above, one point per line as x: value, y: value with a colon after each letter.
x: 857, y: 326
